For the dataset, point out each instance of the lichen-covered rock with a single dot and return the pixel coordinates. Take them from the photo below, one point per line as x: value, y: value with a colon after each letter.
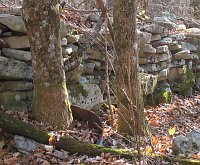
x: 148, y: 83
x: 85, y: 95
x: 187, y: 144
x: 163, y: 93
x: 13, y: 69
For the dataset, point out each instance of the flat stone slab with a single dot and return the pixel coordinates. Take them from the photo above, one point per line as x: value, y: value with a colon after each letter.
x: 185, y: 55
x: 153, y: 28
x: 162, y: 49
x: 176, y: 63
x: 156, y: 37
x: 14, y: 23
x: 150, y: 68
x: 17, y: 54
x: 13, y: 69
x: 17, y: 42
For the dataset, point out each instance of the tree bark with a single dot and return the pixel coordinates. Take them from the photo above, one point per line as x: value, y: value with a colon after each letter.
x: 50, y: 98
x: 126, y: 66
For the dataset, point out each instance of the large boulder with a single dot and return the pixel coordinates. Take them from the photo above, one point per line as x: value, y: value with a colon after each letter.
x: 187, y: 144
x: 85, y: 95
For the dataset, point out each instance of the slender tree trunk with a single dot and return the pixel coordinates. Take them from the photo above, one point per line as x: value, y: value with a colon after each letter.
x: 50, y: 99
x: 128, y: 88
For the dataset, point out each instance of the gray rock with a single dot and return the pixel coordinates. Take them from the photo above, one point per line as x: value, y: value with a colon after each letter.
x: 13, y: 69
x: 15, y: 85
x: 14, y: 23
x: 88, y: 68
x: 187, y: 144
x: 176, y: 63
x: 156, y: 37
x: 185, y: 55
x: 188, y: 46
x: 64, y: 42
x: 25, y: 145
x: 164, y: 56
x: 152, y: 28
x: 17, y: 54
x: 73, y: 76
x: 85, y: 95
x: 149, y: 49
x: 93, y: 53
x: 17, y: 42
x: 148, y: 83
x: 178, y: 37
x: 143, y: 37
x: 162, y: 49
x: 175, y: 47
x: 163, y: 74
x: 165, y: 41
x: 150, y: 68
x: 165, y: 22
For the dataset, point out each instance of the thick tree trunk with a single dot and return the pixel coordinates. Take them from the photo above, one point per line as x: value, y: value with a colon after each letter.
x: 126, y: 66
x: 50, y: 99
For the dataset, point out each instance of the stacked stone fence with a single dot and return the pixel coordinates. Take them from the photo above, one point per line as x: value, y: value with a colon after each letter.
x: 165, y: 47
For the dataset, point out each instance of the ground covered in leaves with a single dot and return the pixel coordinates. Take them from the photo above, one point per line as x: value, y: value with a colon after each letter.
x: 163, y: 123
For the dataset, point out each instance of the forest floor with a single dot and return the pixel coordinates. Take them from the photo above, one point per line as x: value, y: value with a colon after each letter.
x: 163, y: 123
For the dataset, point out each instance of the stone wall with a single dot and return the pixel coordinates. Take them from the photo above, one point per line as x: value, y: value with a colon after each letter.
x: 163, y: 54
